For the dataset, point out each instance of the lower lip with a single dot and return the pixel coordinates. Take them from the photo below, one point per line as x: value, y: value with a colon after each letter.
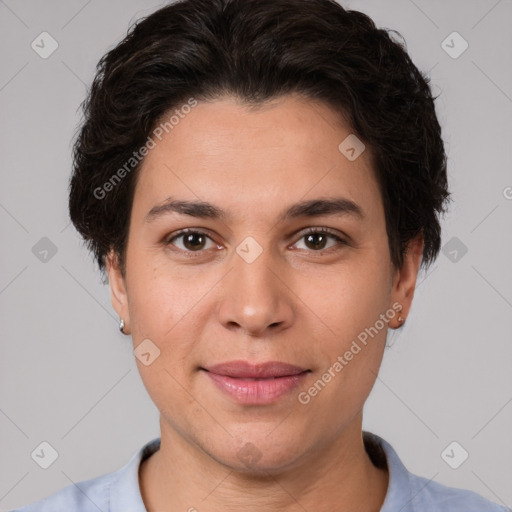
x: 256, y: 392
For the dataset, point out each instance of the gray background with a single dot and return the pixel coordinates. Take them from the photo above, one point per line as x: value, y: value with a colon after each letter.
x: 68, y: 377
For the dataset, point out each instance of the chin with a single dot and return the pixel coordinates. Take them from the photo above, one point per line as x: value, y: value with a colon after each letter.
x: 259, y: 454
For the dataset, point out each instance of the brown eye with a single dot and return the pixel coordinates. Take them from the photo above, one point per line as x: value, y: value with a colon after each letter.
x: 317, y: 239
x: 194, y: 241
x: 191, y: 241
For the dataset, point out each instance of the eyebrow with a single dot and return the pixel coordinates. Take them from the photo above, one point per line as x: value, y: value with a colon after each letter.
x: 309, y: 208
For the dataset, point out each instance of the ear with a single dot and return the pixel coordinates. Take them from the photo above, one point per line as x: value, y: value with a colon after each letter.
x: 118, y: 294
x: 404, y: 280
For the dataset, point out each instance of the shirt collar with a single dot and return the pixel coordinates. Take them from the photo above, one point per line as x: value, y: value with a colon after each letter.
x: 125, y: 491
x: 398, y: 496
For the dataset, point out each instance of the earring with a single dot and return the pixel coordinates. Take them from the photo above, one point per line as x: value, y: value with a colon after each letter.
x: 121, y: 325
x: 401, y: 319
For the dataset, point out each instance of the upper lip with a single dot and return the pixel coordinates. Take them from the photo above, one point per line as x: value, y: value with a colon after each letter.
x: 246, y: 370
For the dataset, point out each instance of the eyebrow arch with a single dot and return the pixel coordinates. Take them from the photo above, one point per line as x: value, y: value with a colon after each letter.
x: 310, y: 208
x: 323, y: 206
x: 200, y: 209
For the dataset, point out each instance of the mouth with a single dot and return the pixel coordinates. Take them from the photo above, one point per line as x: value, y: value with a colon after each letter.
x: 255, y: 384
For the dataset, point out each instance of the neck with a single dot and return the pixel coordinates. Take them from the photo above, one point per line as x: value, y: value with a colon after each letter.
x: 339, y: 477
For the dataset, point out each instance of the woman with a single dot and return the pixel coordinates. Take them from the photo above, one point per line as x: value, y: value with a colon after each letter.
x: 261, y: 180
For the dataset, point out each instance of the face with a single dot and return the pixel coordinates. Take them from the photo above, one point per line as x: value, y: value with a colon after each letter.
x: 284, y: 259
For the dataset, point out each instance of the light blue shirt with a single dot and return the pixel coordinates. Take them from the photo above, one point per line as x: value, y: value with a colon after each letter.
x: 119, y: 491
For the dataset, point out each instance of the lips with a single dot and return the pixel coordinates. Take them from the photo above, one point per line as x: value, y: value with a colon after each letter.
x: 255, y: 384
x: 245, y: 370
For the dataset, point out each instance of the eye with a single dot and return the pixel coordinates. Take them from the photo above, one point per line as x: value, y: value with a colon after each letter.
x: 191, y: 241
x: 316, y: 239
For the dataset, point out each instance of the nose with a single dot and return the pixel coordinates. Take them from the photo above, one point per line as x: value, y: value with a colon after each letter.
x: 255, y: 297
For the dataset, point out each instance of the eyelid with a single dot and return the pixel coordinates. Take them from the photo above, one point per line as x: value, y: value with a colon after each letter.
x: 319, y: 229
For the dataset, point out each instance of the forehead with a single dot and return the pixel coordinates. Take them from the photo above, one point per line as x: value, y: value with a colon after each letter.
x: 227, y: 151
x: 228, y: 126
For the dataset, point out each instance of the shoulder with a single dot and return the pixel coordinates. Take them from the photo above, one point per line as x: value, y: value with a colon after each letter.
x: 411, y: 493
x: 87, y: 496
x: 432, y: 496
x: 118, y: 491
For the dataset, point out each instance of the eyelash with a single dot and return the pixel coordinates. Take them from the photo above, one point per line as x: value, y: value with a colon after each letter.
x: 312, y: 230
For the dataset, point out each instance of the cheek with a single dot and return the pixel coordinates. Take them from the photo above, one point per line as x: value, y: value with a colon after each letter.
x: 354, y: 333
x: 162, y: 310
x: 160, y: 298
x: 349, y: 300
x: 171, y: 308
x: 352, y: 345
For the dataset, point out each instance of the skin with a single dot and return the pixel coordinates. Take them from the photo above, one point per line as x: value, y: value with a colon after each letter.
x: 298, y: 302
